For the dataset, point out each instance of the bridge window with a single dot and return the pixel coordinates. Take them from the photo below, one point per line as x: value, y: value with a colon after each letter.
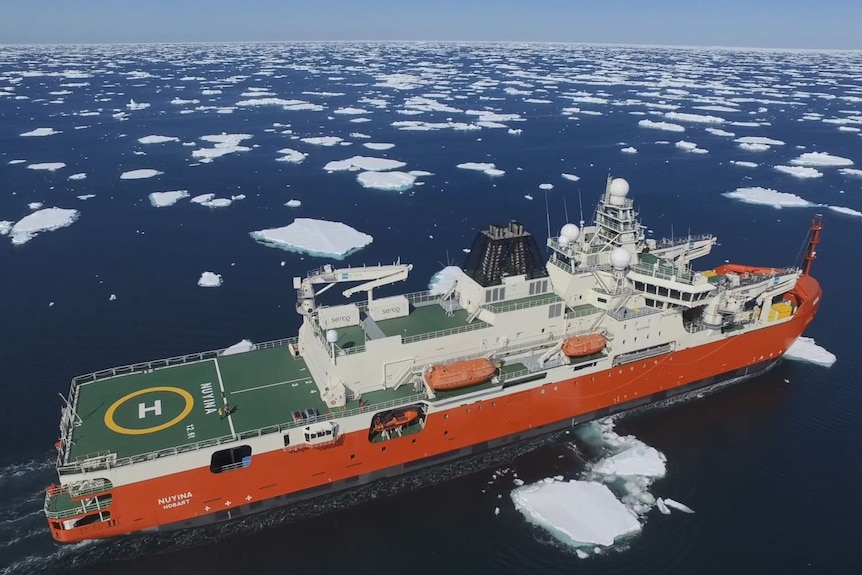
x: 230, y: 459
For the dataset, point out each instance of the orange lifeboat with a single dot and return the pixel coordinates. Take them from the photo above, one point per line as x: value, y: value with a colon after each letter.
x: 445, y: 377
x: 741, y: 269
x: 395, y: 419
x: 582, y: 345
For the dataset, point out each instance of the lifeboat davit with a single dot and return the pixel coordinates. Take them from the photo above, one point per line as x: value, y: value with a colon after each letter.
x: 445, y: 377
x: 583, y: 345
x: 395, y: 419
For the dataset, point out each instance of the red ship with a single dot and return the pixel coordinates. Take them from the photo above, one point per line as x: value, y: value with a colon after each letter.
x: 611, y: 321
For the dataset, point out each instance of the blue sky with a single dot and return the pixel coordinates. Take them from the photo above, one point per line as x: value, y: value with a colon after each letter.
x: 758, y: 23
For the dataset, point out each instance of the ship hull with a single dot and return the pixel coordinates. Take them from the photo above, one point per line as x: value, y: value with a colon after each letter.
x: 198, y: 497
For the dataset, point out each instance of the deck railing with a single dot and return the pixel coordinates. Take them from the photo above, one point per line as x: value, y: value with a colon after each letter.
x: 504, y: 306
x: 102, y: 461
x: 444, y: 332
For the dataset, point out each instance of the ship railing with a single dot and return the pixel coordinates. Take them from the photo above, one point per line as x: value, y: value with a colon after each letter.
x: 671, y: 242
x: 444, y: 332
x: 665, y: 271
x: 504, y: 306
x: 82, y: 488
x: 80, y: 507
x: 576, y: 313
x: 105, y: 462
x: 626, y: 313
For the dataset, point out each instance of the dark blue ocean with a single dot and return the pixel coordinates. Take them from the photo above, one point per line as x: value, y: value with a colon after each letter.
x: 771, y: 466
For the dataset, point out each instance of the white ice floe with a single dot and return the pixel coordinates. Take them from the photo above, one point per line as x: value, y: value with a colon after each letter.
x: 314, y: 237
x: 571, y: 177
x: 157, y: 139
x: 164, y: 199
x: 42, y: 132
x: 291, y: 156
x: 49, y: 166
x: 44, y: 220
x: 629, y: 150
x: 140, y: 174
x: 293, y: 203
x: 846, y: 211
x: 224, y: 144
x: 743, y: 164
x: 209, y: 279
x: 389, y: 181
x: 216, y: 202
x: 799, y: 171
x: 667, y: 126
x: 5, y: 227
x: 350, y: 111
x: 768, y: 197
x: 239, y: 347
x: 81, y: 176
x: 364, y: 163
x: 489, y: 168
x: 378, y: 145
x: 132, y: 105
x: 690, y: 147
x: 821, y: 159
x: 35, y: 205
x: 322, y: 140
x: 577, y: 512
x: 850, y: 172
x: 805, y: 349
x: 755, y: 147
x: 86, y: 196
x: 695, y: 118
x: 14, y: 162
x: 759, y: 140
x: 442, y: 281
x: 717, y: 132
x: 546, y: 186
x: 677, y: 505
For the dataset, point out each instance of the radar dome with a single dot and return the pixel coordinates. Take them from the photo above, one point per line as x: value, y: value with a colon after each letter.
x: 620, y: 258
x: 619, y: 188
x: 332, y: 335
x: 563, y: 241
x: 570, y: 231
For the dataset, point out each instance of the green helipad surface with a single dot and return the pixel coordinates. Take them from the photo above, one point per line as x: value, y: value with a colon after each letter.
x: 161, y: 409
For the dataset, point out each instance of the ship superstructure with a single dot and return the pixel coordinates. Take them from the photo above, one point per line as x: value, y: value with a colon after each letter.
x: 516, y: 347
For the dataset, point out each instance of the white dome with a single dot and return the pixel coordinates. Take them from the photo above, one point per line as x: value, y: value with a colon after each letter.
x: 571, y: 231
x: 619, y: 188
x: 332, y: 335
x: 563, y: 240
x: 620, y: 258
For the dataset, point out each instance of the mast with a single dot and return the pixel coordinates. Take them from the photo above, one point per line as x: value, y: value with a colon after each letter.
x: 811, y: 252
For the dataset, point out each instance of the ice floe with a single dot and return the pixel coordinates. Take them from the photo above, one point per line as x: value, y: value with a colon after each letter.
x: 695, y: 118
x: 489, y: 168
x: 389, y: 181
x: 768, y: 197
x: 42, y: 132
x: 799, y: 171
x: 805, y: 349
x: 44, y: 220
x: 132, y: 105
x: 364, y: 163
x: 164, y: 199
x: 442, y: 281
x: 79, y: 176
x: 321, y: 238
x: 846, y: 211
x: 157, y: 139
x: 224, y: 144
x: 759, y: 140
x: 378, y: 146
x: 667, y: 126
x: 820, y: 159
x: 140, y: 174
x: 850, y: 172
x: 291, y: 156
x: 629, y: 150
x: 210, y: 279
x: 717, y: 132
x: 49, y: 166
x: 322, y: 140
x: 571, y: 177
x: 293, y: 203
x: 743, y: 164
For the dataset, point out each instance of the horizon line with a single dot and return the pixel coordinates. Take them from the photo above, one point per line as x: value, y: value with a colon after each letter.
x: 544, y: 42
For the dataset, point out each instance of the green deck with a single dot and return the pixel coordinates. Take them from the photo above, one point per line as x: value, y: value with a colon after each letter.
x: 262, y: 387
x: 423, y: 319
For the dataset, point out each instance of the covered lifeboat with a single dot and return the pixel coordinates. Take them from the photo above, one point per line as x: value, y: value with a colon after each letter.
x: 583, y: 345
x: 446, y: 377
x: 394, y: 419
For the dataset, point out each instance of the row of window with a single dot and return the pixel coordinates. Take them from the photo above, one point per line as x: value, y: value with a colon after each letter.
x: 671, y: 293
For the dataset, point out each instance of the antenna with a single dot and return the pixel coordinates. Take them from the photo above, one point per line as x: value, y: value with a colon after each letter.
x: 566, y: 209
x: 581, y: 205
x: 548, y: 213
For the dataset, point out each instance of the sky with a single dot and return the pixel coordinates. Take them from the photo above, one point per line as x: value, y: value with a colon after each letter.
x: 825, y: 24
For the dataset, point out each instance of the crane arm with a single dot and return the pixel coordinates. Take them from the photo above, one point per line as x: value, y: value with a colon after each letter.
x: 398, y: 275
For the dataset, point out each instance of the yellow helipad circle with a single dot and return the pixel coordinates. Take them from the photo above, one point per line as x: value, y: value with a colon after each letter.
x: 114, y: 426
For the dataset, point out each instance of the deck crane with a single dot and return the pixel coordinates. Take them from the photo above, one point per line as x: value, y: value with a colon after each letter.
x: 373, y: 276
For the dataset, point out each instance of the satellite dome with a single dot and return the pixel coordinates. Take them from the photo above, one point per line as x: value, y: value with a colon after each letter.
x: 332, y: 335
x: 619, y: 188
x: 563, y: 240
x: 620, y: 258
x: 571, y: 231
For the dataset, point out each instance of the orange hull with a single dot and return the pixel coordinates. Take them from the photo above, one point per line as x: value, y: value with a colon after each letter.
x: 137, y: 507
x: 582, y: 345
x: 461, y: 374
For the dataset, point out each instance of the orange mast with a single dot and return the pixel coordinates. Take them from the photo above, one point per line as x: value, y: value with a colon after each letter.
x: 811, y: 252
